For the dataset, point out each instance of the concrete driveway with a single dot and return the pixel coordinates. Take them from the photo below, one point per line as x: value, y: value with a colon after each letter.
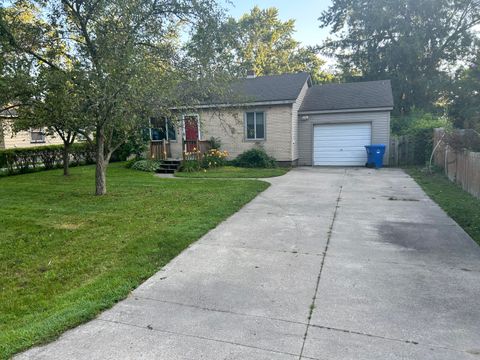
x: 325, y: 264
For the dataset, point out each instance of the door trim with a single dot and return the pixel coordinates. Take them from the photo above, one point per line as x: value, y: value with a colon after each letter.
x: 198, y: 125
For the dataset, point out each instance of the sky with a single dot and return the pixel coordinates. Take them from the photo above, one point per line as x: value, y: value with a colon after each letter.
x: 304, y: 12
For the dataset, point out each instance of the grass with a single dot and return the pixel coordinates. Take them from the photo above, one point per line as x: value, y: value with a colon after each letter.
x: 234, y: 172
x: 457, y: 203
x: 65, y: 254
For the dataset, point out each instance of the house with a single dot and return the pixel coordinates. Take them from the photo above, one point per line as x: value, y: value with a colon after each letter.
x: 294, y: 121
x: 22, y: 139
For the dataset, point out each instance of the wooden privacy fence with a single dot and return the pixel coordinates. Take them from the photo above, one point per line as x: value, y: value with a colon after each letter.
x: 461, y: 166
x: 402, y: 151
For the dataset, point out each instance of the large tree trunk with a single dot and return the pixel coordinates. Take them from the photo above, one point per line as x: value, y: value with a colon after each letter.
x: 101, y: 168
x: 66, y: 158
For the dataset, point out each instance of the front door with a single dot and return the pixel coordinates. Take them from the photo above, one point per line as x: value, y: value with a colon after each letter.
x: 191, y: 132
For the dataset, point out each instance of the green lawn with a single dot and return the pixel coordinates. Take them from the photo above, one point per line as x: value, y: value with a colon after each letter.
x: 457, y: 203
x: 234, y: 172
x: 65, y: 254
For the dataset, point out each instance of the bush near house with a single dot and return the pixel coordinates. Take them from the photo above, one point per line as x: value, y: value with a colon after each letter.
x: 23, y: 160
x: 214, y: 158
x: 255, y: 158
x: 146, y: 165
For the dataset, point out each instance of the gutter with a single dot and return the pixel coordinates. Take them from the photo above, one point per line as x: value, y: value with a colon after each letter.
x: 315, y: 112
x: 257, y: 103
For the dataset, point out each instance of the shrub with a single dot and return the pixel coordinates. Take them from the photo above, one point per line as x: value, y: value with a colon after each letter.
x: 129, y: 163
x: 418, y: 126
x: 22, y: 160
x: 255, y: 158
x: 214, y: 158
x: 147, y: 165
x: 136, y: 144
x: 215, y: 143
x: 190, y: 165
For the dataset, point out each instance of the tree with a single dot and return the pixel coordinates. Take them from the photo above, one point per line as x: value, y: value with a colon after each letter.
x: 413, y: 43
x: 55, y: 108
x: 16, y: 67
x: 465, y: 96
x: 261, y: 42
x: 124, y: 55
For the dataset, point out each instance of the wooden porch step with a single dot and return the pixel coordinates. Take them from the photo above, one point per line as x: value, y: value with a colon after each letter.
x: 169, y: 166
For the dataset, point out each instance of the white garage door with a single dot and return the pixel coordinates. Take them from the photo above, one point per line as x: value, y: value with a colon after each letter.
x: 341, y: 144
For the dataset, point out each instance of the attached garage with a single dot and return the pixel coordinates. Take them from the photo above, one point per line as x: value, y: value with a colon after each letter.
x: 336, y: 121
x: 341, y: 144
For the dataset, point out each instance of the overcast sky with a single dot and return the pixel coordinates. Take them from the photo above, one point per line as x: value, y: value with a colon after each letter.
x: 304, y: 12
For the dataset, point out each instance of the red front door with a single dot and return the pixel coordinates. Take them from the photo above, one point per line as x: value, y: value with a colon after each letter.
x: 191, y: 132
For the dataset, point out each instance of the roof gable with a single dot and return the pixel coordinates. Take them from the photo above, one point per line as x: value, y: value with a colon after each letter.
x: 358, y: 95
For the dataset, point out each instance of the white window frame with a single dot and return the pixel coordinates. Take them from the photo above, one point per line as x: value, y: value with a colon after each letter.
x: 255, y: 125
x: 166, y: 131
x: 38, y: 130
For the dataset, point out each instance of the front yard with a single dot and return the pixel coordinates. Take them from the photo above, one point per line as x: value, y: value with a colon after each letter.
x: 65, y: 254
x: 235, y: 172
x: 457, y: 203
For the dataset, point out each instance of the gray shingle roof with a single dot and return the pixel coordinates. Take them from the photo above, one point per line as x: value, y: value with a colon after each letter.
x: 271, y: 88
x: 359, y: 95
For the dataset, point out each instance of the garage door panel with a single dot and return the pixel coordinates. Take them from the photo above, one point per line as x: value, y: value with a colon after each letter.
x: 341, y: 144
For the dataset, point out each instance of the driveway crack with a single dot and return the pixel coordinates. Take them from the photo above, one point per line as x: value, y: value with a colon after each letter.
x: 329, y: 236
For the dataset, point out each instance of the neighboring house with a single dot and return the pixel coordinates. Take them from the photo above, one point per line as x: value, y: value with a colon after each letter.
x: 22, y: 139
x: 294, y: 121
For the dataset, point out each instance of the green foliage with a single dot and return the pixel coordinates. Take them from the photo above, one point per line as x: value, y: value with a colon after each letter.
x: 465, y: 96
x: 122, y: 60
x: 147, y: 165
x: 417, y: 121
x: 255, y: 158
x: 418, y: 127
x: 214, y: 158
x: 215, y: 143
x: 135, y: 145
x: 23, y: 160
x: 262, y: 42
x: 190, y: 165
x: 129, y: 163
x: 66, y: 255
x: 411, y: 42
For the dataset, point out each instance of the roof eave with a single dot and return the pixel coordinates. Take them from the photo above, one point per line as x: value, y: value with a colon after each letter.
x: 255, y: 103
x: 332, y: 111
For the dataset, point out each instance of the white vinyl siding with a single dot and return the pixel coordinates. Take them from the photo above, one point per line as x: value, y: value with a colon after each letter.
x: 380, y: 121
x: 341, y: 144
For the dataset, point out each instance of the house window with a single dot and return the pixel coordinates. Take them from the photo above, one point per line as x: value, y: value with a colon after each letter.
x: 37, y: 136
x: 162, y: 129
x: 255, y: 125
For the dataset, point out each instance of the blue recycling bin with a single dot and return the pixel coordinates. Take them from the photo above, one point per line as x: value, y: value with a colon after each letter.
x: 375, y: 156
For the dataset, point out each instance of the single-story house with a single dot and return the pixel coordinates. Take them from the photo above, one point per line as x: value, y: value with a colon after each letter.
x: 22, y: 139
x: 294, y: 121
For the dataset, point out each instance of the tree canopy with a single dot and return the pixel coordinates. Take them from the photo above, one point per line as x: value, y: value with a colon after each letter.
x: 414, y: 43
x: 464, y: 97
x: 261, y: 42
x: 122, y: 58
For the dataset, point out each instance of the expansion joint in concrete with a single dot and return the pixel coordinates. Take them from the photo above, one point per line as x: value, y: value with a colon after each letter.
x: 329, y: 236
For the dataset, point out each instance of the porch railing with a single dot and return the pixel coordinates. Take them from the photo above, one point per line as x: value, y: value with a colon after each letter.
x: 194, y: 149
x: 160, y: 150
